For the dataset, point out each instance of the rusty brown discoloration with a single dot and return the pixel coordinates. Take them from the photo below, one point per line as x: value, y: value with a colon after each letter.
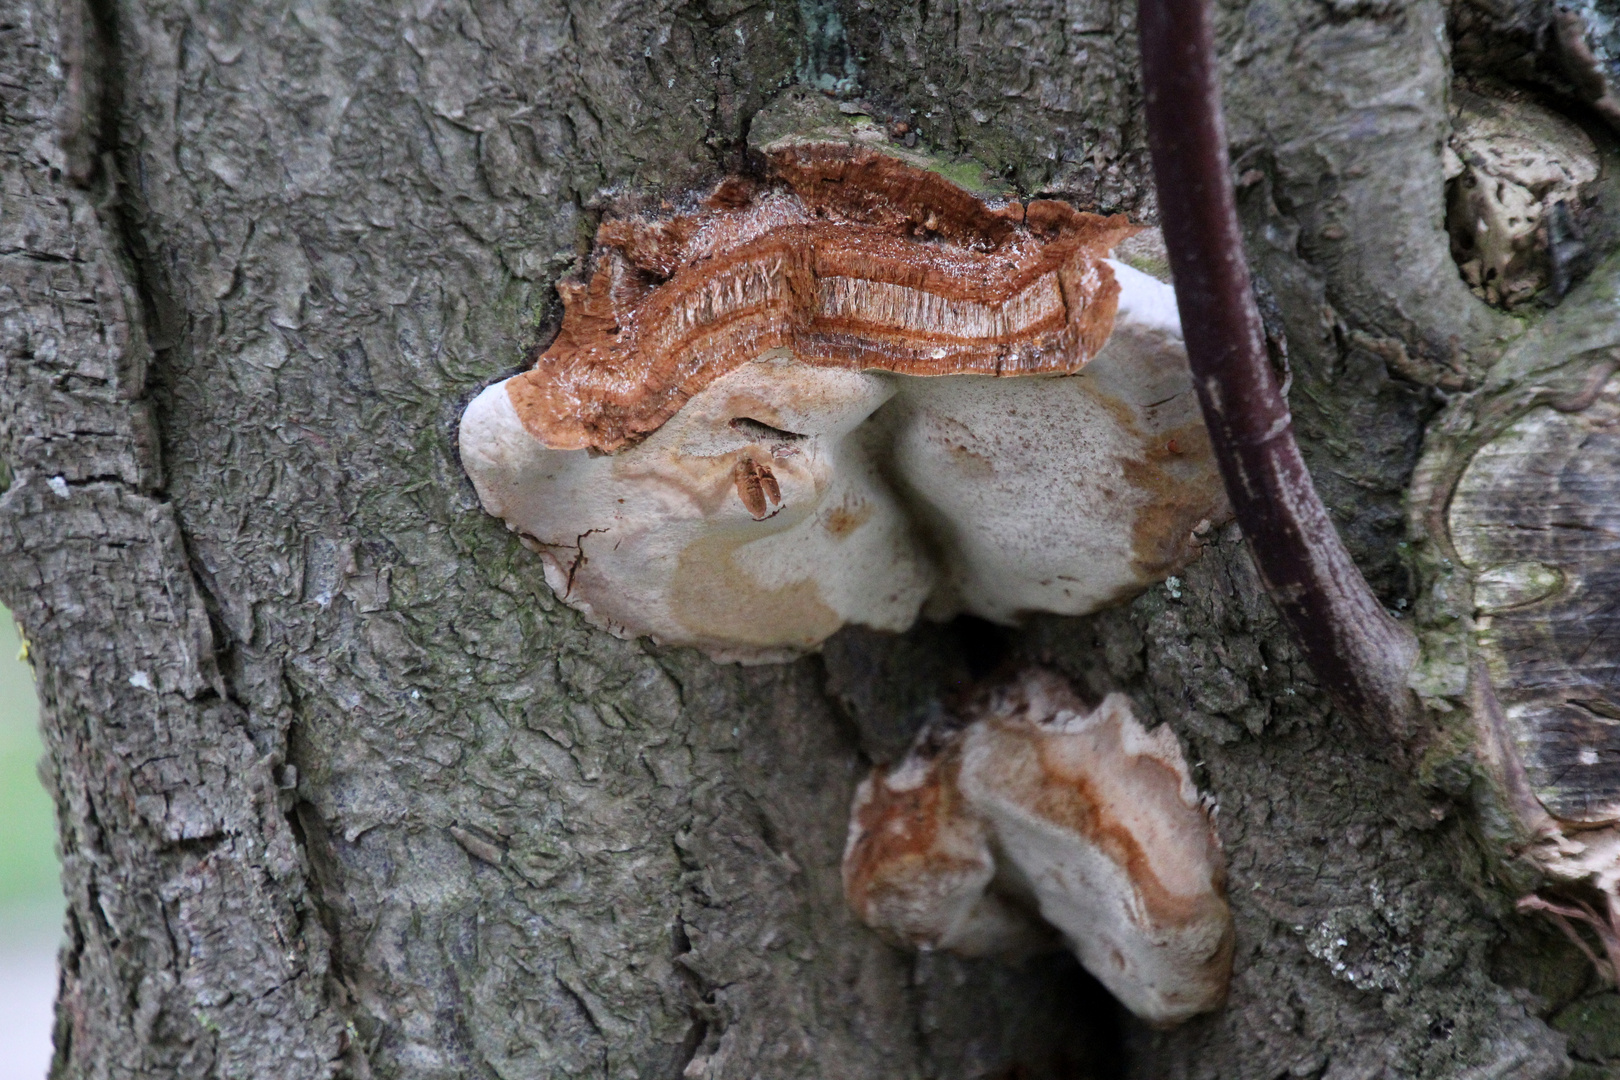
x: 1184, y: 491
x: 842, y: 520
x: 873, y: 187
x: 899, y: 840
x: 849, y: 258
x: 1183, y: 486
x: 1069, y: 799
x: 919, y: 868
x: 1116, y: 790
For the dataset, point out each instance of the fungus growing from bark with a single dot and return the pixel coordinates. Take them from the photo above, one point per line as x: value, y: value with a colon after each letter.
x: 1040, y: 814
x: 793, y: 407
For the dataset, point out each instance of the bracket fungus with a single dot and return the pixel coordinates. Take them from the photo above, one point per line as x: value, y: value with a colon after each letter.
x: 1040, y: 814
x: 793, y: 406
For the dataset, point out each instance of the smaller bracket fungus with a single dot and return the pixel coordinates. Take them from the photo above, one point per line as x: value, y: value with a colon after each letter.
x: 1040, y: 814
x: 793, y: 407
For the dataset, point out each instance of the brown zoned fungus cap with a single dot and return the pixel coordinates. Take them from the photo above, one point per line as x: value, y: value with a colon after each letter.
x: 853, y: 260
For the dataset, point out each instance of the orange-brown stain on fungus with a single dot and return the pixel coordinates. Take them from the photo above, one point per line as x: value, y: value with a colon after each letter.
x: 1176, y: 470
x: 845, y: 518
x: 1185, y: 494
x: 900, y: 837
x: 1072, y: 800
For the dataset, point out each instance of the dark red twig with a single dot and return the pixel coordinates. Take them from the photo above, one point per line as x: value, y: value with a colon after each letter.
x: 1358, y: 652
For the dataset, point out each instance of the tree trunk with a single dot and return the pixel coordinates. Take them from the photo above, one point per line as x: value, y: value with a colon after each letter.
x: 344, y: 790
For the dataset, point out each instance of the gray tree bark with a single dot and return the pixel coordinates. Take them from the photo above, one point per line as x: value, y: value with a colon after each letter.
x: 345, y: 791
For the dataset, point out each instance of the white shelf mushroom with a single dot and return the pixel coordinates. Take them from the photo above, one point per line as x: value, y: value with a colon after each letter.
x: 796, y: 408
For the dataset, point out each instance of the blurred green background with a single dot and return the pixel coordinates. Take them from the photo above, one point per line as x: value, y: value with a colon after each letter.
x: 28, y: 878
x: 30, y: 898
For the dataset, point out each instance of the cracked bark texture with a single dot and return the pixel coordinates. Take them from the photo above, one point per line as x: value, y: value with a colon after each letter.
x: 343, y: 790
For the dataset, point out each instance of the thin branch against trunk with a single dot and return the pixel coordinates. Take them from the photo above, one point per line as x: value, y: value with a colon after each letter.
x: 1359, y: 653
